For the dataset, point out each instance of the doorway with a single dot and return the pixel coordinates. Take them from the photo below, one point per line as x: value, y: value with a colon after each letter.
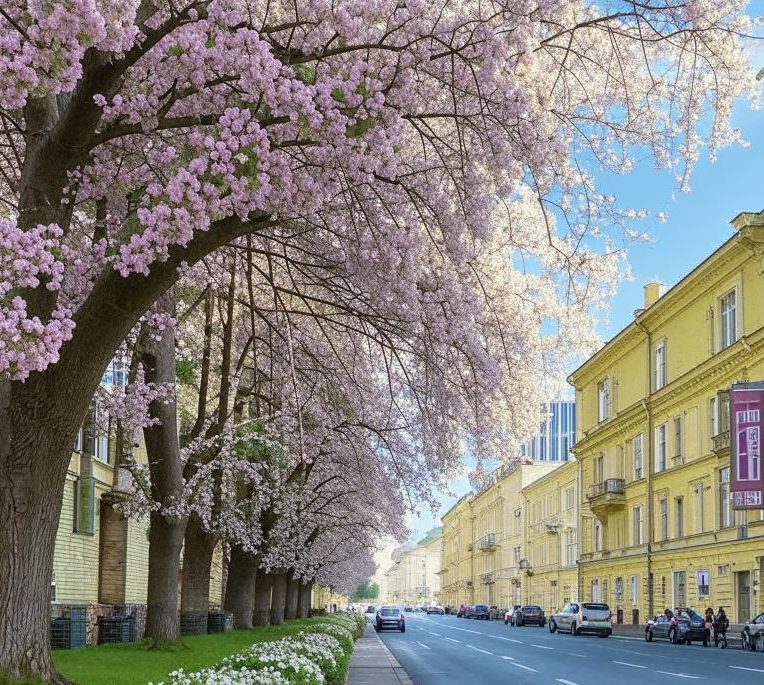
x: 680, y: 589
x: 743, y: 583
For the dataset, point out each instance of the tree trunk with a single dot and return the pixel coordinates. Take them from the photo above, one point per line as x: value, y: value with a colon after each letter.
x: 198, y: 549
x: 303, y: 610
x: 292, y: 597
x: 278, y: 598
x: 32, y: 471
x: 240, y: 586
x: 167, y: 485
x: 263, y: 587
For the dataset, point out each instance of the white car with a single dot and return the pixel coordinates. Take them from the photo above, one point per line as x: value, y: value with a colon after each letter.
x: 509, y: 616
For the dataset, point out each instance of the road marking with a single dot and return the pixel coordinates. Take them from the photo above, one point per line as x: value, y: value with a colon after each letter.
x: 467, y: 630
x: 583, y: 656
x: 542, y: 647
x: 435, y: 634
x: 566, y: 682
x: 508, y: 639
x: 525, y: 668
x: 477, y: 649
x: 681, y: 675
x: 623, y: 637
x: 508, y: 658
x: 743, y: 668
x: 452, y: 640
x: 626, y: 663
x: 422, y: 644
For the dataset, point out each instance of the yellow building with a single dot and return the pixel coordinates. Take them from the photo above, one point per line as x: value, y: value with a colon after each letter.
x: 552, y: 511
x: 485, y: 552
x: 657, y: 529
x: 413, y: 579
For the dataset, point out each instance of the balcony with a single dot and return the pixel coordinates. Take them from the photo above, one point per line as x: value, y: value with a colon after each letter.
x: 607, y: 496
x: 487, y: 542
x: 721, y: 443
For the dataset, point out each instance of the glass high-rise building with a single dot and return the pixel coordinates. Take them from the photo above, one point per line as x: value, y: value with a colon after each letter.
x: 556, y: 434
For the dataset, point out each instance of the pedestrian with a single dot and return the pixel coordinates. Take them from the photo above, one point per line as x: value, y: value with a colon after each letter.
x: 668, y: 613
x: 720, y: 628
x: 707, y: 625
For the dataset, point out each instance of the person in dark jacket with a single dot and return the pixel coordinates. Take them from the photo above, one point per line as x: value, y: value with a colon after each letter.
x: 720, y: 627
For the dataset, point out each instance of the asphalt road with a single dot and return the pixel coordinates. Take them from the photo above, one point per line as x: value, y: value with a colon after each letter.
x: 444, y: 650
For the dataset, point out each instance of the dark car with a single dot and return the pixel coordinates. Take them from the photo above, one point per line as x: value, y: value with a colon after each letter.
x: 436, y: 609
x: 390, y: 617
x: 691, y: 627
x: 530, y: 615
x: 479, y: 611
x: 408, y: 610
x: 662, y: 627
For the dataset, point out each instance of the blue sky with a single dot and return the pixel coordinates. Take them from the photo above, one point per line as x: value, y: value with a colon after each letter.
x: 697, y: 223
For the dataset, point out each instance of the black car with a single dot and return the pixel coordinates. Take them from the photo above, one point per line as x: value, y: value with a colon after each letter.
x: 479, y: 611
x: 390, y: 617
x: 662, y: 627
x: 684, y: 628
x: 530, y: 615
x: 408, y: 610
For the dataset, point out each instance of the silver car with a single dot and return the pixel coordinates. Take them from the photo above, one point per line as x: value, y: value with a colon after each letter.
x: 577, y: 618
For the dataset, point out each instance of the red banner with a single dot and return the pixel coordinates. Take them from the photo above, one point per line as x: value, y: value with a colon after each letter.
x: 746, y: 414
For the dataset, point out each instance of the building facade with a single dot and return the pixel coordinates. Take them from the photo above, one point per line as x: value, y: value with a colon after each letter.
x: 556, y: 434
x: 657, y: 526
x: 414, y: 578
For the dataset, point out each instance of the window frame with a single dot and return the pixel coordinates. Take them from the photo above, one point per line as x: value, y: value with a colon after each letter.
x: 660, y: 369
x: 638, y: 473
x: 637, y: 525
x: 661, y: 454
x: 727, y: 330
x: 603, y: 399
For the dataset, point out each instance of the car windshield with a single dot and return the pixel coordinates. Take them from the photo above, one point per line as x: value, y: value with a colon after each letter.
x: 481, y: 607
x: 595, y: 607
x: 689, y: 613
x: 531, y: 608
x: 389, y: 611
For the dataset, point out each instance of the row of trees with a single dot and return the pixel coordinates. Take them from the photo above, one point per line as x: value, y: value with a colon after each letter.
x: 374, y: 224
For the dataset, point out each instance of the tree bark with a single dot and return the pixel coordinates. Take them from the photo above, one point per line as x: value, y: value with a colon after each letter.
x: 263, y: 588
x: 167, y: 485
x: 278, y: 597
x: 240, y: 586
x: 198, y: 549
x: 292, y: 597
x: 303, y: 610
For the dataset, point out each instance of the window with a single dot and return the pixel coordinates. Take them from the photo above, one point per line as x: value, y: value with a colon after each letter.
x: 725, y: 505
x: 677, y: 436
x: 660, y: 448
x: 636, y: 529
x: 659, y: 361
x: 636, y: 447
x: 571, y: 547
x: 84, y: 498
x: 713, y: 416
x: 517, y: 555
x: 603, y: 399
x: 101, y: 443
x: 697, y: 495
x: 679, y: 517
x: 599, y: 468
x: 728, y: 308
x: 596, y: 591
x: 702, y: 579
x: 634, y: 586
x: 723, y: 404
x: 569, y: 499
x: 518, y: 521
x: 78, y: 440
x: 663, y: 507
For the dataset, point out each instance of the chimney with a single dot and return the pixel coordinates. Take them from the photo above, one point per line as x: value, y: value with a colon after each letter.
x: 753, y: 219
x: 652, y: 292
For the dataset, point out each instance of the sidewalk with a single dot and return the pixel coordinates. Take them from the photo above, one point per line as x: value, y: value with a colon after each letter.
x: 628, y: 629
x: 372, y: 662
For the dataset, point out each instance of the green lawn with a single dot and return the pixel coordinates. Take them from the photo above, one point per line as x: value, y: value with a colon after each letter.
x: 135, y: 664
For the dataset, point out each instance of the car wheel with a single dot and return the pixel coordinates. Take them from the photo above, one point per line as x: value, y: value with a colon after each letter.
x: 519, y: 622
x: 552, y: 626
x: 573, y: 629
x: 649, y: 635
x: 758, y: 642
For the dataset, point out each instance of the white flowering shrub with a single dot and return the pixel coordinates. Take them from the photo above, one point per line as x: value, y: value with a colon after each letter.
x: 317, y: 655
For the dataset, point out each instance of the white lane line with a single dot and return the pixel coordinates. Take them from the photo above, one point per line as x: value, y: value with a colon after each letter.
x: 508, y: 639
x: 583, y: 656
x: 566, y: 682
x: 467, y: 630
x: 542, y: 647
x: 623, y: 637
x: 450, y: 639
x: 477, y: 649
x: 626, y: 663
x: 681, y: 675
x: 508, y: 658
x: 743, y: 668
x: 422, y: 644
x: 435, y: 634
x: 525, y: 668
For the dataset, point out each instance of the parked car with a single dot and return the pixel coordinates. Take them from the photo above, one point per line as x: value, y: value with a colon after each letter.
x: 753, y: 634
x: 478, y: 611
x: 577, y: 618
x: 370, y: 609
x: 390, y: 617
x: 509, y: 615
x: 408, y: 609
x: 530, y: 615
x: 436, y: 610
x: 691, y: 628
x: 661, y: 627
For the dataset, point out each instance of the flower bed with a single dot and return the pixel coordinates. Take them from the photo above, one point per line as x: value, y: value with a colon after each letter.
x: 317, y: 655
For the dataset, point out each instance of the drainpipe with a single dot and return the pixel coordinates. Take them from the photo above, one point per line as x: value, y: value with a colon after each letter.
x: 649, y: 471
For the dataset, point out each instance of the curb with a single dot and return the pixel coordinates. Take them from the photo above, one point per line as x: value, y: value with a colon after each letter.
x: 393, y: 671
